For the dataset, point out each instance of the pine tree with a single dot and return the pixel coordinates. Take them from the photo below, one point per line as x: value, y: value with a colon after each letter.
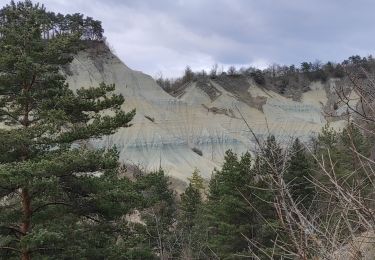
x: 240, y: 207
x: 353, y: 145
x: 159, y: 213
x: 340, y: 165
x: 271, y: 156
x: 196, y: 180
x: 190, y: 202
x: 267, y: 167
x: 227, y: 214
x: 328, y: 137
x: 339, y: 152
x: 58, y: 199
x: 299, y: 173
x: 190, y: 206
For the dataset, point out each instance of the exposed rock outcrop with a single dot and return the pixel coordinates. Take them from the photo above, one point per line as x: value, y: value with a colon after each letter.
x: 182, y: 122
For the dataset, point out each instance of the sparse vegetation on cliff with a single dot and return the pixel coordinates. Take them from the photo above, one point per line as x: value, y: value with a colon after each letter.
x: 290, y: 81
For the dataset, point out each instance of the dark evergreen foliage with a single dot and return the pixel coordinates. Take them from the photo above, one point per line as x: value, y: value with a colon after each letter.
x: 298, y: 175
x: 51, y: 24
x: 56, y: 195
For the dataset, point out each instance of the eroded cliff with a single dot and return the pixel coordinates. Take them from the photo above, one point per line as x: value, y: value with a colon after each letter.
x: 195, y: 127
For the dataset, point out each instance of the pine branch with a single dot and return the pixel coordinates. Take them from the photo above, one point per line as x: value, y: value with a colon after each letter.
x: 2, y: 111
x: 13, y: 229
x: 10, y: 248
x: 46, y: 249
x: 51, y: 204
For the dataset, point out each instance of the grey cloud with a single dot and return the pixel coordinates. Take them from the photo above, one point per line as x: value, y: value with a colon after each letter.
x: 167, y: 35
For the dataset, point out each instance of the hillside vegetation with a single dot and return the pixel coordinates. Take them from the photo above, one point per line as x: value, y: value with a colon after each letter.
x: 290, y: 81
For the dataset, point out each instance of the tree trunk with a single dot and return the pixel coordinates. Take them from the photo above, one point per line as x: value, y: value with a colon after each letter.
x: 25, y: 195
x: 26, y: 220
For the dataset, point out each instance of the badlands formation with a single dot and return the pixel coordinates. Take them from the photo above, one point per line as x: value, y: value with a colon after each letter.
x: 194, y: 127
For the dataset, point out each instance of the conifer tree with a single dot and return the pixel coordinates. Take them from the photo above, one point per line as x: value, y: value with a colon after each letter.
x: 353, y: 145
x: 159, y: 213
x: 56, y: 196
x: 267, y: 167
x: 327, y: 138
x: 299, y: 173
x: 190, y: 202
x: 340, y: 152
x: 341, y: 155
x: 190, y: 206
x: 196, y: 180
x: 271, y: 157
x: 228, y: 215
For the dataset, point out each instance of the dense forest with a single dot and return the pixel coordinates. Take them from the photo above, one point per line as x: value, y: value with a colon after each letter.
x: 59, y: 199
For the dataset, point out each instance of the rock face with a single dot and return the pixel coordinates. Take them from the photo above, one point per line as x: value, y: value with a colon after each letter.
x: 195, y: 127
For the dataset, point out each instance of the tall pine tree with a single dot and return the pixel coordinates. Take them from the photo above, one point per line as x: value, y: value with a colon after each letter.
x: 227, y: 214
x: 189, y: 216
x: 56, y: 197
x: 267, y: 167
x: 298, y: 175
x: 159, y: 213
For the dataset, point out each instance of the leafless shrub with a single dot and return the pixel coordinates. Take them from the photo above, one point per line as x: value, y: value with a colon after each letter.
x: 344, y: 228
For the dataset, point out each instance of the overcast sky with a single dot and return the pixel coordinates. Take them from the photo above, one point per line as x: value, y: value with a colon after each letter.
x: 163, y: 36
